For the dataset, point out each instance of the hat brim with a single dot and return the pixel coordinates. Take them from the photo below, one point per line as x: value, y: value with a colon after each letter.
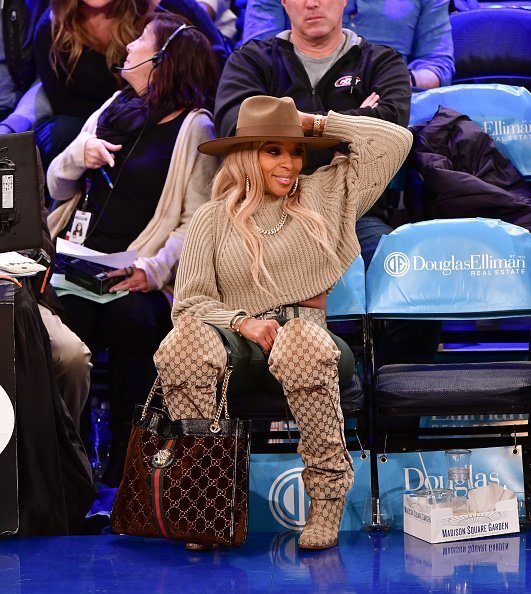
x: 222, y: 146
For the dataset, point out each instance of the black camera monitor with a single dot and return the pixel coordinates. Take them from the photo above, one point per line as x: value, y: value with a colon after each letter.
x: 20, y: 209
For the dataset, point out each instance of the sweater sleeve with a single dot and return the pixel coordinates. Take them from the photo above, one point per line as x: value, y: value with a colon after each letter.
x: 196, y: 290
x: 67, y: 168
x: 377, y: 150
x: 344, y: 190
x: 161, y: 267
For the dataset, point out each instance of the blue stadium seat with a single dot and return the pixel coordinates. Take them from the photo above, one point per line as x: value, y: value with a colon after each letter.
x: 448, y: 269
x: 492, y: 45
x: 502, y: 111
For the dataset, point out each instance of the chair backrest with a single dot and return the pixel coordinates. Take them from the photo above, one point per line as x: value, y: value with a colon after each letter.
x: 492, y: 45
x: 451, y: 269
x: 347, y: 299
x: 501, y: 111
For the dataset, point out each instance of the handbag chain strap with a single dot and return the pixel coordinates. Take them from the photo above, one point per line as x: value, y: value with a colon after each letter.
x: 215, y: 427
x: 156, y: 385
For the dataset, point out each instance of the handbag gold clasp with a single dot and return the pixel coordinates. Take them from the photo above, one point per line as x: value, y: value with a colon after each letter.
x: 163, y: 458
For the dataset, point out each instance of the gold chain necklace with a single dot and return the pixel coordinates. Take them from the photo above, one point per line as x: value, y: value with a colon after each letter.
x: 276, y: 228
x: 280, y: 223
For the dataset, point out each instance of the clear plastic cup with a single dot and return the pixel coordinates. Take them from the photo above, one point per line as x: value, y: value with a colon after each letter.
x: 458, y: 465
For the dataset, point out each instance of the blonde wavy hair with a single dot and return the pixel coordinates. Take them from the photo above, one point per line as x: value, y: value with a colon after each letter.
x: 229, y: 185
x: 69, y: 35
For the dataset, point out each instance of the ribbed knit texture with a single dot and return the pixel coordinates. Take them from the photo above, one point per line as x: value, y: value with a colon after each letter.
x: 214, y: 280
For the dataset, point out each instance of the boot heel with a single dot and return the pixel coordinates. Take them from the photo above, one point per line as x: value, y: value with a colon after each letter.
x: 322, y: 528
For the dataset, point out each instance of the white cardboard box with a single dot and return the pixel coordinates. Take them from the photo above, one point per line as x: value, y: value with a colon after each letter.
x: 439, y: 524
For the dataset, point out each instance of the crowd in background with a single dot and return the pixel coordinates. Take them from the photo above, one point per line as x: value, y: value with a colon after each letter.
x: 121, y: 93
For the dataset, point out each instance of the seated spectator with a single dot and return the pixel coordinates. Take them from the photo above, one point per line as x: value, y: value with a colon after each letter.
x: 146, y: 138
x: 418, y: 29
x: 323, y: 66
x: 55, y: 486
x: 17, y: 64
x: 77, y: 42
x: 256, y: 267
x: 70, y: 356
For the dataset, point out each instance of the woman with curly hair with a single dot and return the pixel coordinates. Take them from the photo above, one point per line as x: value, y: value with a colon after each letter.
x: 76, y: 42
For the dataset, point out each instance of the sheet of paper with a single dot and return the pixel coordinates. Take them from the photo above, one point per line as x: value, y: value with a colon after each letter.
x: 64, y: 287
x: 117, y: 260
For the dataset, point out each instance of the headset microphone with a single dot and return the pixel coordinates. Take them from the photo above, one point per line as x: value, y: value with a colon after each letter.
x: 116, y: 68
x: 159, y: 56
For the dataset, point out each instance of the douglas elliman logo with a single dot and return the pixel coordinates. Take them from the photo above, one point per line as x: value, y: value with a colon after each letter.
x: 399, y: 264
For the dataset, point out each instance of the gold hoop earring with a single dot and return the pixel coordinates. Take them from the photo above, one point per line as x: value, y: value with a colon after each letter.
x: 247, y: 186
x: 294, y: 189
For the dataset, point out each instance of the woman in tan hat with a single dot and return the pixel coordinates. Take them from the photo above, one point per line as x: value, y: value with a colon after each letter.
x: 257, y: 264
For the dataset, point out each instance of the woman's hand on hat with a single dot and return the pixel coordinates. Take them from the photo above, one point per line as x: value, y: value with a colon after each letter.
x: 263, y: 332
x: 371, y: 100
x: 99, y: 152
x: 135, y: 280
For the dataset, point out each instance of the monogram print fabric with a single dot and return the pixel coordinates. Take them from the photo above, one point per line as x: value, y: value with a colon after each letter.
x: 200, y: 496
x: 304, y: 360
x: 181, y: 481
x: 322, y: 527
x: 190, y: 361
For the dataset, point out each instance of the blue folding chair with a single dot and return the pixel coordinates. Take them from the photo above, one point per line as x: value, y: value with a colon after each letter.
x: 502, y: 111
x: 448, y: 269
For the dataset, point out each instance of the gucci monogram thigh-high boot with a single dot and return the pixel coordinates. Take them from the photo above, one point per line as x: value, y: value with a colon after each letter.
x: 190, y: 362
x: 304, y: 360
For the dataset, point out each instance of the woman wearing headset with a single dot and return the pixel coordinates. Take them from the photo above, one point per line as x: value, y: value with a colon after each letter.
x: 135, y: 170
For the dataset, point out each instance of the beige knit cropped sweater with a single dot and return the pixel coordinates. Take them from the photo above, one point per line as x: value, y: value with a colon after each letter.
x: 214, y: 281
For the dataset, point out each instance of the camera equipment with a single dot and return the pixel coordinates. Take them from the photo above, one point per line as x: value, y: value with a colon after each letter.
x: 20, y: 216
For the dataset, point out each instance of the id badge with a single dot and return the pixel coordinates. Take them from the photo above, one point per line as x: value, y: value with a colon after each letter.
x: 80, y: 225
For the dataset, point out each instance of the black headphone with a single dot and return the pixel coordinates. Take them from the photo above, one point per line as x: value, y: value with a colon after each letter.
x: 156, y: 60
x: 159, y: 56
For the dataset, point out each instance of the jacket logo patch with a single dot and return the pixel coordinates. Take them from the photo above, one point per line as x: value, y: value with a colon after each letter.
x: 346, y: 81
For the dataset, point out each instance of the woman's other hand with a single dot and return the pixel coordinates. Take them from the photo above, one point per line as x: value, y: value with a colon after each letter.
x: 99, y: 152
x: 135, y: 280
x: 263, y: 332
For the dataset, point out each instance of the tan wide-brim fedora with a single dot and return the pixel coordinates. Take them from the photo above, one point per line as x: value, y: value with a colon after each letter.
x: 264, y: 118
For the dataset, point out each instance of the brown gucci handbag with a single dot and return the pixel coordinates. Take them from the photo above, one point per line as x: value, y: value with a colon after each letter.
x: 186, y: 479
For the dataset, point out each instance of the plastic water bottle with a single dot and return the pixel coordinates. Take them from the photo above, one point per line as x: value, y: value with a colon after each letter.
x: 100, y: 437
